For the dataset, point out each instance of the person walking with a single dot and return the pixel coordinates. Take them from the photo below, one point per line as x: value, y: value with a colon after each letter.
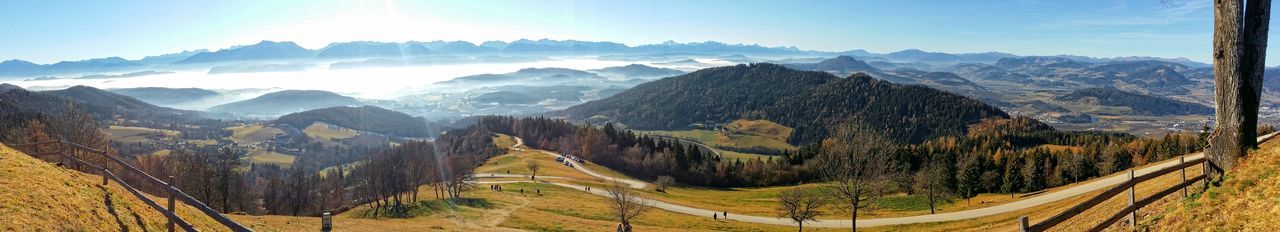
x: 713, y: 217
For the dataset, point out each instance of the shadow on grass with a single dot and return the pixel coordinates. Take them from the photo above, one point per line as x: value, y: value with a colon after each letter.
x: 423, y: 208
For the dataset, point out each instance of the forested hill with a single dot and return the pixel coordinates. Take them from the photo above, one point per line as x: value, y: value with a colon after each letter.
x: 810, y: 102
x: 364, y: 118
x: 1138, y: 103
x: 102, y: 104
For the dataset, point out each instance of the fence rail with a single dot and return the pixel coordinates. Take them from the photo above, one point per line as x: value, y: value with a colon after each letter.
x: 1127, y: 186
x: 61, y: 148
x: 1133, y: 206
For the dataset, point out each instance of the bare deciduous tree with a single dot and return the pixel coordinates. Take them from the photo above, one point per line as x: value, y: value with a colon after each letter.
x: 931, y: 181
x: 800, y: 205
x: 663, y: 182
x: 533, y: 167
x: 625, y: 204
x: 857, y: 166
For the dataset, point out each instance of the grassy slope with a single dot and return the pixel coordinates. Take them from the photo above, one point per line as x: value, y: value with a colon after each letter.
x: 323, y: 132
x: 37, y: 196
x: 1249, y: 199
x: 251, y: 134
x: 263, y: 156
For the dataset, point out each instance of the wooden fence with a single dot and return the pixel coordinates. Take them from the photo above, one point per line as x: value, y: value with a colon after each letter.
x: 65, y: 150
x: 1128, y: 212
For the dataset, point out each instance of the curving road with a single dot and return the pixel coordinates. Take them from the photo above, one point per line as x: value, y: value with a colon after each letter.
x: 1041, y: 199
x: 584, y: 170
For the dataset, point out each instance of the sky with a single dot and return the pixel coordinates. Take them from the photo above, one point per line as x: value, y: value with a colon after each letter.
x: 51, y: 31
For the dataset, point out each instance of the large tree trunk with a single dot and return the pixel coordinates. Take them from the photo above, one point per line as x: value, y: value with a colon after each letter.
x: 1226, y: 143
x: 1252, y: 62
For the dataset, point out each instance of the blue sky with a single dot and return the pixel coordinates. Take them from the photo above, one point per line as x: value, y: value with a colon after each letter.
x: 50, y: 31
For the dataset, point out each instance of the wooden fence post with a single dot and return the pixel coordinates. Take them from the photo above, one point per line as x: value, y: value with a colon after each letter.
x: 1183, y: 160
x: 1204, y: 170
x: 1133, y: 216
x: 326, y: 222
x: 172, y: 196
x: 1023, y: 223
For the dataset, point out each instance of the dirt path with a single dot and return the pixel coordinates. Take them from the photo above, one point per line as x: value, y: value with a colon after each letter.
x: 633, y: 183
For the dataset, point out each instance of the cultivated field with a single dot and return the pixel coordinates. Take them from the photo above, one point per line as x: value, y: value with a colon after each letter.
x: 252, y: 133
x: 325, y: 132
x: 128, y: 134
x: 263, y: 156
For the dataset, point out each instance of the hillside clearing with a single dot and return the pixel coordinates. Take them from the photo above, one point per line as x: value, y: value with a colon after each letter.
x: 322, y: 131
x: 263, y: 156
x: 252, y: 133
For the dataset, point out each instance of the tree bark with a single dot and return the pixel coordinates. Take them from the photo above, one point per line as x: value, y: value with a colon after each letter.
x: 1257, y: 15
x: 1225, y: 144
x: 854, y: 218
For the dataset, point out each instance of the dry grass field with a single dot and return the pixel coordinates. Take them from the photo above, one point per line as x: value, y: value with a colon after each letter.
x: 263, y: 156
x: 324, y: 132
x: 127, y: 134
x: 252, y: 133
x: 738, y: 134
x: 1248, y: 200
x: 38, y: 196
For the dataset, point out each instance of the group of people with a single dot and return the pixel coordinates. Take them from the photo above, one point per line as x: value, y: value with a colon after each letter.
x: 717, y: 217
x: 494, y: 187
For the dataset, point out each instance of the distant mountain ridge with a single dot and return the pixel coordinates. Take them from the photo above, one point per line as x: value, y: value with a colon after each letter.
x: 284, y: 50
x: 371, y: 49
x: 265, y: 50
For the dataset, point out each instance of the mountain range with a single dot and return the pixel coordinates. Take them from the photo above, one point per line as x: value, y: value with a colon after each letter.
x: 283, y: 50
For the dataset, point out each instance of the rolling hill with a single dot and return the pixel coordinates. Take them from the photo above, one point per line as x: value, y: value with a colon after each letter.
x: 1138, y: 103
x: 810, y: 102
x: 18, y: 104
x: 637, y: 71
x: 364, y: 118
x: 285, y: 102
